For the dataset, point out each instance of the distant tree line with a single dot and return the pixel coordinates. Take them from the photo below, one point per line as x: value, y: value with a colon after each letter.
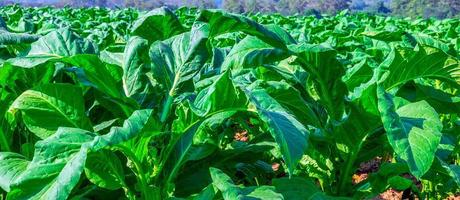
x: 426, y: 8
x: 412, y: 8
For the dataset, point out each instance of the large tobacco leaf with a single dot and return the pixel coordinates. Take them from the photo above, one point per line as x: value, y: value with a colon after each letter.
x: 231, y: 191
x: 60, y: 159
x: 176, y: 61
x: 158, y: 24
x: 136, y: 68
x: 252, y: 52
x: 12, y: 165
x: 413, y: 130
x: 54, y: 46
x: 424, y: 62
x: 326, y: 70
x: 47, y: 107
x: 290, y: 135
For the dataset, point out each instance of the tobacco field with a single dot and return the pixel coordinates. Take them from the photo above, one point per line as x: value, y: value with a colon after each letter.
x: 206, y: 104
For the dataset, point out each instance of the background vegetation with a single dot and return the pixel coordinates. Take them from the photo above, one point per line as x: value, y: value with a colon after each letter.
x: 409, y: 8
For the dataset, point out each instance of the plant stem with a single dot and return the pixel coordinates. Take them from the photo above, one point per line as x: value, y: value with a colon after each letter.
x: 166, y: 108
x: 140, y: 174
x: 345, y: 176
x: 176, y: 138
x: 4, y: 146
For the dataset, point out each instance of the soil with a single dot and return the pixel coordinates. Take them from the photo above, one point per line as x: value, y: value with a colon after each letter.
x: 372, y: 166
x: 390, y: 194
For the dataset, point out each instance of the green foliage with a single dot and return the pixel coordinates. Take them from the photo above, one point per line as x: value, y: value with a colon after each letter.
x: 206, y: 104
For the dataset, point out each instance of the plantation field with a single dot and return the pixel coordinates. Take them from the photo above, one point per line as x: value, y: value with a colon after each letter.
x: 206, y: 104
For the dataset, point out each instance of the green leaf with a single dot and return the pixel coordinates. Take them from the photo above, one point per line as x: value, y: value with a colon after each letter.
x: 230, y: 191
x: 6, y: 98
x: 290, y: 135
x: 441, y: 101
x: 96, y: 72
x: 60, y: 159
x: 56, y: 167
x: 387, y: 36
x: 12, y: 165
x: 291, y: 99
x: 105, y: 170
x: 322, y: 64
x: 358, y: 74
x: 252, y: 52
x: 91, y: 71
x: 399, y: 183
x: 8, y: 38
x: 220, y: 95
x: 297, y: 188
x: 53, y: 46
x: 222, y: 22
x: 158, y: 24
x: 403, y: 66
x: 453, y: 171
x: 24, y: 78
x: 176, y: 61
x: 207, y: 193
x: 414, y: 131
x: 47, y: 107
x: 136, y: 65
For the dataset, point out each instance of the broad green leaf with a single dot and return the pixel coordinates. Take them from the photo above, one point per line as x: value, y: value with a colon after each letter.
x: 179, y: 153
x: 426, y: 62
x: 47, y: 107
x: 320, y: 61
x: 297, y: 188
x: 220, y: 95
x: 60, y: 159
x: 441, y: 101
x: 8, y: 38
x: 290, y: 135
x: 291, y: 99
x: 158, y: 24
x: 385, y: 35
x: 54, y: 46
x: 453, y: 171
x: 358, y: 74
x: 138, y: 122
x: 55, y: 170
x: 24, y: 78
x: 96, y: 72
x: 12, y: 165
x: 230, y: 191
x: 400, y: 183
x: 414, y: 131
x: 176, y: 61
x: 114, y: 58
x: 91, y: 71
x: 136, y: 66
x: 363, y: 120
x: 207, y: 193
x: 282, y: 33
x: 222, y: 22
x: 105, y: 170
x: 252, y: 52
x: 195, y: 175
